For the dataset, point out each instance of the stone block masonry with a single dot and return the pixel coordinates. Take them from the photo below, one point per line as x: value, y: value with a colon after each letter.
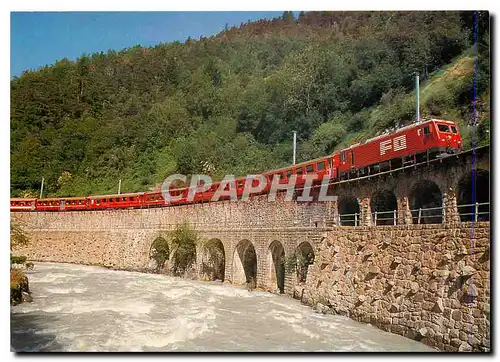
x: 426, y: 282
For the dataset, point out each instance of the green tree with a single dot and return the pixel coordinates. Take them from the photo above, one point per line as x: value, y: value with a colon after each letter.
x: 183, y: 240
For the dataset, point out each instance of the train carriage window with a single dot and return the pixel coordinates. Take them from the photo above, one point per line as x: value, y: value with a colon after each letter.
x: 427, y: 130
x: 309, y: 168
x: 299, y: 171
x: 454, y: 129
x: 443, y: 128
x: 320, y: 166
x: 352, y: 157
x: 342, y: 156
x: 288, y: 174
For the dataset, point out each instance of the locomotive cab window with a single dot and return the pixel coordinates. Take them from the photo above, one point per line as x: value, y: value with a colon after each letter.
x: 443, y: 128
x: 352, y: 157
x: 427, y: 130
x: 320, y: 166
x: 342, y: 156
x: 288, y: 173
x: 454, y: 129
x: 299, y: 171
x: 309, y: 168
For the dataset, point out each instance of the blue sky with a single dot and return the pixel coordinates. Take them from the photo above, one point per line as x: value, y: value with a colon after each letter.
x: 41, y: 38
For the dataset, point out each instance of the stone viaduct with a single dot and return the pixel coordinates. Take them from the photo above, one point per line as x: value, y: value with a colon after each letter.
x: 424, y: 275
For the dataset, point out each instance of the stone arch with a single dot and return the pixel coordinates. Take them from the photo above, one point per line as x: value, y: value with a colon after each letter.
x: 425, y: 194
x: 474, y: 187
x: 305, y: 257
x: 213, y: 261
x: 382, y: 202
x: 276, y: 266
x: 348, y: 205
x: 245, y: 263
x: 159, y: 254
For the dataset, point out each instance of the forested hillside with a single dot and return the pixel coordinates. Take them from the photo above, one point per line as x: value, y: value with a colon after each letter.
x: 228, y: 104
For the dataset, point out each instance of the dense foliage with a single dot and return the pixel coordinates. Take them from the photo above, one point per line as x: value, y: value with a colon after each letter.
x: 183, y: 240
x: 19, y: 287
x: 160, y: 253
x: 228, y: 104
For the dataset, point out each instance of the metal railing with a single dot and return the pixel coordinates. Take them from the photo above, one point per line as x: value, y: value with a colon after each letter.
x: 393, y: 218
x: 344, y: 219
x: 420, y: 215
x: 476, y: 213
x: 439, y: 217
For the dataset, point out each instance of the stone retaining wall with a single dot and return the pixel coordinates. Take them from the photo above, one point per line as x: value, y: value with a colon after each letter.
x: 426, y: 282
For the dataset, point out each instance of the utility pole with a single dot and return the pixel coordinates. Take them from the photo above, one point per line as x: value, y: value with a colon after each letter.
x: 417, y: 86
x: 41, y: 187
x: 294, y: 146
x: 119, y: 186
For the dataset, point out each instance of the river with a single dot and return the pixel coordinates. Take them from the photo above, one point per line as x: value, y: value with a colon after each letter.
x: 85, y: 308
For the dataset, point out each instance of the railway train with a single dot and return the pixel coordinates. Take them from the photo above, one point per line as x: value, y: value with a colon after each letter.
x: 408, y: 145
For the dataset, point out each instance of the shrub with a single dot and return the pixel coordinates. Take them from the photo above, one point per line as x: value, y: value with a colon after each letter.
x: 17, y: 235
x: 183, y: 240
x: 18, y: 285
x: 17, y: 259
x: 160, y: 253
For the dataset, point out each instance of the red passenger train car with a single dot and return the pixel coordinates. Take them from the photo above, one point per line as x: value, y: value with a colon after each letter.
x: 407, y: 145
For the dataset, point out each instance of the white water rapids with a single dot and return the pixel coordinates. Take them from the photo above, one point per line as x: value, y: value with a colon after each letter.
x: 84, y: 308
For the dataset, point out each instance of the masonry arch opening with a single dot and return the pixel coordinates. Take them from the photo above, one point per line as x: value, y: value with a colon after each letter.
x: 213, y: 262
x: 426, y: 195
x: 276, y: 266
x: 383, y: 204
x: 349, y: 211
x: 474, y: 187
x: 305, y: 257
x: 245, y: 264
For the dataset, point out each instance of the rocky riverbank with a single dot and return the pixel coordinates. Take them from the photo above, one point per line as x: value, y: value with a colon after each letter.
x: 19, y: 287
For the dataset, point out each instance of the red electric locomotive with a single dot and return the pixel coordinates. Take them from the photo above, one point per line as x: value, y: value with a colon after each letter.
x: 431, y: 138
